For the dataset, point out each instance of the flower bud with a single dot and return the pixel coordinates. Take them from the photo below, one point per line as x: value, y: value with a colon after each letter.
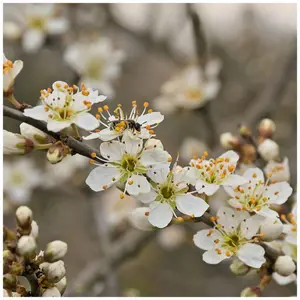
x: 9, y: 281
x: 34, y: 229
x: 271, y: 228
x: 55, y: 271
x: 245, y: 131
x: 24, y: 216
x: 266, y: 128
x: 51, y: 292
x: 139, y: 219
x: 27, y: 246
x: 249, y: 154
x: 250, y: 292
x: 15, y: 143
x: 284, y: 265
x: 153, y: 143
x: 56, y: 153
x: 62, y: 285
x: 238, y: 268
x: 44, y: 267
x: 35, y: 135
x: 228, y: 141
x: 268, y: 150
x: 8, y: 257
x: 55, y: 251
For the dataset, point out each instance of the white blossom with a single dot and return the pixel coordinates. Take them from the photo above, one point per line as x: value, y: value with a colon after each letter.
x: 266, y: 128
x: 134, y: 125
x: 10, y: 72
x: 26, y: 246
x: 138, y: 219
x: 256, y: 195
x: 228, y: 140
x: 271, y: 228
x: 284, y: 265
x: 232, y: 235
x: 97, y: 62
x: 126, y: 163
x: 268, y: 149
x: 24, y: 216
x: 191, y: 147
x: 34, y: 23
x: 284, y: 280
x: 190, y: 89
x: 35, y: 135
x: 55, y: 271
x: 15, y: 143
x: 61, y: 285
x: 170, y: 191
x: 34, y: 229
x: 63, y: 106
x: 20, y: 178
x: 280, y: 171
x: 290, y: 226
x: 209, y: 175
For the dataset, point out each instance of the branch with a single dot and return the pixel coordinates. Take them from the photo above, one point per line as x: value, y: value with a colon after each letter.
x: 75, y: 145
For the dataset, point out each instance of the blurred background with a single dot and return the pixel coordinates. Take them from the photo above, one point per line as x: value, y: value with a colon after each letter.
x: 129, y: 52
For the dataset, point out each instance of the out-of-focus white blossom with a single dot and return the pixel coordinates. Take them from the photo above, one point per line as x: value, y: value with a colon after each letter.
x: 138, y: 218
x: 266, y: 128
x: 170, y: 191
x: 34, y: 229
x: 284, y: 265
x: 192, y: 147
x: 55, y: 251
x: 34, y: 22
x: 64, y: 105
x: 35, y: 135
x: 268, y: 149
x: 190, y: 89
x: 51, y: 292
x: 171, y: 237
x: 62, y: 285
x: 97, y: 62
x: 256, y: 195
x: 279, y: 171
x: 271, y: 228
x: 153, y: 143
x: 20, y: 178
x: 228, y: 140
x: 15, y: 143
x: 126, y: 163
x: 284, y: 280
x: 209, y: 175
x: 232, y: 235
x: 24, y: 216
x: 26, y: 246
x: 10, y: 72
x: 134, y: 125
x: 290, y: 226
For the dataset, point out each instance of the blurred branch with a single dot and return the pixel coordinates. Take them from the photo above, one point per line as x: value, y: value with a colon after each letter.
x: 76, y: 145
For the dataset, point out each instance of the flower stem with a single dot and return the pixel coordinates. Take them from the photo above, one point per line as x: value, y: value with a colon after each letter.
x: 75, y: 128
x: 14, y: 101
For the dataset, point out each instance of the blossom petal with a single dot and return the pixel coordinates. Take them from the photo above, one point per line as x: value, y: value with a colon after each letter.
x: 92, y: 136
x: 250, y: 226
x: 234, y: 180
x: 279, y: 192
x: 107, y: 134
x: 207, y: 188
x: 212, y: 257
x: 132, y: 146
x: 113, y: 150
x: 33, y: 40
x: 159, y: 173
x: 160, y: 214
x: 37, y: 113
x: 254, y: 174
x: 230, y: 218
x: 267, y: 212
x: 154, y: 156
x: 86, y: 121
x: 231, y: 155
x: 235, y: 203
x: 140, y: 185
x: 284, y: 280
x: 150, y: 119
x: 146, y: 198
x: 204, y: 239
x: 191, y: 205
x: 57, y: 26
x: 57, y: 126
x: 252, y: 255
x: 102, y: 177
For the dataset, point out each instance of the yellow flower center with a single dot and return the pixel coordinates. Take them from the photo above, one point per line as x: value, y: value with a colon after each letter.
x: 7, y: 66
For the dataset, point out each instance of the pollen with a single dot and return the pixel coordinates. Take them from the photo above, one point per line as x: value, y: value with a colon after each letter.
x: 216, y: 241
x: 147, y: 213
x: 93, y: 154
x: 100, y: 110
x: 210, y: 232
x: 88, y: 104
x: 227, y: 253
x: 268, y: 175
x: 261, y: 235
x: 254, y: 175
x: 205, y: 153
x: 231, y: 168
x: 92, y: 161
x: 148, y: 127
x: 104, y: 187
x: 46, y: 108
x: 122, y: 196
x: 130, y: 182
x: 276, y: 193
x: 212, y: 219
x: 150, y: 111
x: 180, y: 219
x: 105, y: 107
x: 133, y: 103
x: 58, y: 85
x: 227, y: 159
x: 218, y: 251
x: 146, y: 104
x: 85, y: 93
x: 283, y: 217
x: 151, y: 131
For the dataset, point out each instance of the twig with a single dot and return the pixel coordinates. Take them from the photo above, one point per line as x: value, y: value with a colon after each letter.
x: 75, y: 145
